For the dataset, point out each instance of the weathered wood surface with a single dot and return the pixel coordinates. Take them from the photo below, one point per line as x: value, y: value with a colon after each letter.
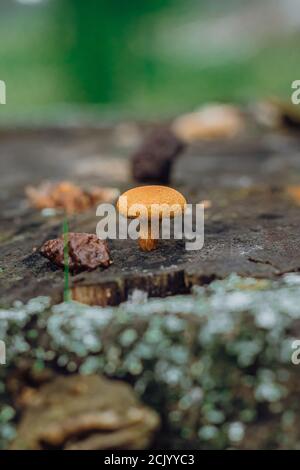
x: 252, y: 227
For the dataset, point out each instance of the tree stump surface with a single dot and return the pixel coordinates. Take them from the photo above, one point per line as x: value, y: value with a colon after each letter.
x: 251, y: 228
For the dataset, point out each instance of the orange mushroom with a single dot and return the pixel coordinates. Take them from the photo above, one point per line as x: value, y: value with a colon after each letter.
x: 150, y: 204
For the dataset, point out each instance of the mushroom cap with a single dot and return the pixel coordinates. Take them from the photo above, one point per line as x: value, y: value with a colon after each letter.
x: 159, y: 201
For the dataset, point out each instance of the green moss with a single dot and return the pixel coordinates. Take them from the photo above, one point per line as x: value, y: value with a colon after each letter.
x: 213, y: 363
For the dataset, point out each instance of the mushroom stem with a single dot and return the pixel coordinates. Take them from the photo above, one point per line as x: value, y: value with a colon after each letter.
x: 146, y: 243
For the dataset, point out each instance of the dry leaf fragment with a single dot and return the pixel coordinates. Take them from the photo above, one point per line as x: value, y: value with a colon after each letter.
x: 68, y: 197
x: 86, y: 252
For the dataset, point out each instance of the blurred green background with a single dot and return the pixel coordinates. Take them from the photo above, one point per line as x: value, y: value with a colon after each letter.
x: 68, y: 59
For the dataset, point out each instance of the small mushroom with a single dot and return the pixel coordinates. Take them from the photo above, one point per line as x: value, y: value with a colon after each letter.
x: 150, y: 204
x: 212, y: 121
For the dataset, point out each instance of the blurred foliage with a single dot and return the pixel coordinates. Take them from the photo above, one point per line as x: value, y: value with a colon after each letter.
x: 134, y: 56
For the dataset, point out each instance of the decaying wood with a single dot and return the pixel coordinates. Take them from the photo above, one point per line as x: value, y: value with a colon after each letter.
x: 85, y: 412
x: 251, y: 228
